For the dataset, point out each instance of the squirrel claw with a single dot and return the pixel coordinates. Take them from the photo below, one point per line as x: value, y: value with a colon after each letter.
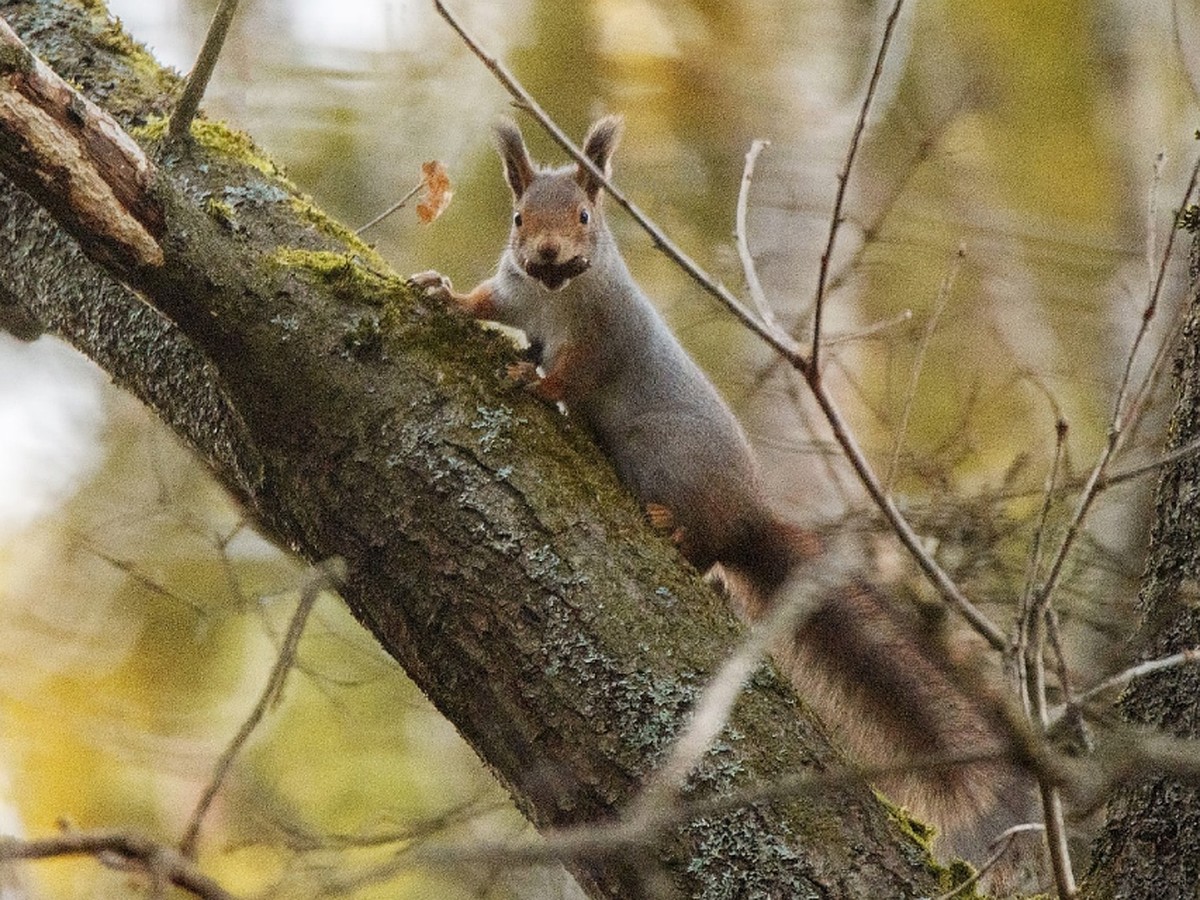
x: 523, y: 374
x: 433, y: 285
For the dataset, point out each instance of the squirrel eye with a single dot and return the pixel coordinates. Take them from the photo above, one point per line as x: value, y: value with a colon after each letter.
x: 517, y: 219
x: 584, y: 216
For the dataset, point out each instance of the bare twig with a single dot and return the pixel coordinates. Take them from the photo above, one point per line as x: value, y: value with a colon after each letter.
x: 859, y: 334
x: 1188, y: 449
x: 1056, y: 840
x: 910, y: 395
x: 1035, y: 621
x: 753, y: 285
x: 197, y: 80
x: 1027, y: 615
x: 303, y: 840
x: 322, y: 576
x: 1123, y: 412
x: 945, y: 585
x: 131, y: 570
x: 399, y: 204
x: 608, y: 839
x: 1054, y: 633
x: 160, y: 862
x: 1039, y: 616
x: 843, y: 178
x: 1121, y: 415
x: 1121, y: 679
x: 1002, y: 845
x: 715, y: 704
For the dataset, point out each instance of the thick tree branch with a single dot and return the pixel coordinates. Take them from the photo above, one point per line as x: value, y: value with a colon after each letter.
x: 488, y: 546
x: 1157, y: 818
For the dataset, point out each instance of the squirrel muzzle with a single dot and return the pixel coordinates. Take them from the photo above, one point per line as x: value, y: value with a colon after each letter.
x: 555, y: 275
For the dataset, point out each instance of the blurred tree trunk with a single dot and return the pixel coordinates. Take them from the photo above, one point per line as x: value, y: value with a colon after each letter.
x: 489, y: 548
x: 1150, y: 844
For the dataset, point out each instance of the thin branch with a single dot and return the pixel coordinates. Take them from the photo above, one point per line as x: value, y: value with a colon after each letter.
x: 399, y: 204
x: 945, y: 585
x: 1053, y: 816
x: 1036, y: 621
x: 609, y: 838
x: 159, y: 861
x: 131, y: 571
x: 871, y: 228
x: 835, y: 217
x: 197, y: 80
x: 741, y: 235
x: 1056, y: 840
x: 321, y: 577
x: 1002, y: 844
x: 302, y: 840
x: 859, y: 334
x: 1188, y: 449
x: 1158, y: 279
x: 715, y: 705
x: 943, y: 298
x: 1054, y: 633
x: 1121, y: 679
x: 1028, y: 615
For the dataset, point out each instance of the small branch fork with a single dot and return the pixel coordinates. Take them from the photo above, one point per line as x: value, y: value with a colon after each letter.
x: 843, y: 179
x: 331, y: 572
x: 169, y: 865
x: 165, y: 865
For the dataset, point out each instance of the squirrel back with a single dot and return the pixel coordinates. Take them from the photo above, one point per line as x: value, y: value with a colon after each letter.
x: 610, y: 358
x: 607, y: 355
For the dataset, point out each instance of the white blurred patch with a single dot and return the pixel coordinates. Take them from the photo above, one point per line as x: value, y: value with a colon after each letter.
x: 360, y: 25
x: 159, y: 25
x: 51, y: 416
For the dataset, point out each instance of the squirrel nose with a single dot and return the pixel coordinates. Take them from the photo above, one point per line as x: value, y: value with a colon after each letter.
x: 547, y: 251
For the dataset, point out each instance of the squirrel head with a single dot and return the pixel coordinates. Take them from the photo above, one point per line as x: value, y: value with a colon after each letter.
x: 557, y: 219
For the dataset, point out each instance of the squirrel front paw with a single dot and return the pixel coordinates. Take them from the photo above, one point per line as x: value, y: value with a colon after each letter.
x: 433, y: 285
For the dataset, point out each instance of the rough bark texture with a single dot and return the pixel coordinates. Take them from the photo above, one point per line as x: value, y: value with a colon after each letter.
x: 1150, y: 844
x: 489, y: 547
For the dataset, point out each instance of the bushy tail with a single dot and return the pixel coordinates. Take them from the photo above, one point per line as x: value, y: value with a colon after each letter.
x: 883, y: 683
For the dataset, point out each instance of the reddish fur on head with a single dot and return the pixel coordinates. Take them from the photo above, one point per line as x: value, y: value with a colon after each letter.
x: 556, y: 213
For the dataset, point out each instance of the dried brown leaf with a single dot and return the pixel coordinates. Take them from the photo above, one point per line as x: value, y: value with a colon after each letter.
x: 438, y: 191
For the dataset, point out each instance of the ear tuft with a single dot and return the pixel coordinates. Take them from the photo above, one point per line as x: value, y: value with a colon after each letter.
x: 518, y: 168
x: 602, y: 139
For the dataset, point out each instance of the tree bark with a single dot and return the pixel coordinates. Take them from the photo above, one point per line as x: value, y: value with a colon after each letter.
x: 489, y: 548
x: 1150, y: 843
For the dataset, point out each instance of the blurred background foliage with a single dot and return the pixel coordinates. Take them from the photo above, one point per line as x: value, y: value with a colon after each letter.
x: 1002, y: 229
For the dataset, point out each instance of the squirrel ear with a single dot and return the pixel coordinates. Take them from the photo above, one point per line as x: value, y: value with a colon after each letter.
x: 598, y: 146
x: 518, y: 168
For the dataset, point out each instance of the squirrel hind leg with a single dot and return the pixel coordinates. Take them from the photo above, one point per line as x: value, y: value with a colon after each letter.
x: 660, y: 516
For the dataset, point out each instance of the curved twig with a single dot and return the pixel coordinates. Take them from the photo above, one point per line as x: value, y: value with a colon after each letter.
x: 843, y: 178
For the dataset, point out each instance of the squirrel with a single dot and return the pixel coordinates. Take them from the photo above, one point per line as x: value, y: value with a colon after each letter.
x: 609, y: 358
